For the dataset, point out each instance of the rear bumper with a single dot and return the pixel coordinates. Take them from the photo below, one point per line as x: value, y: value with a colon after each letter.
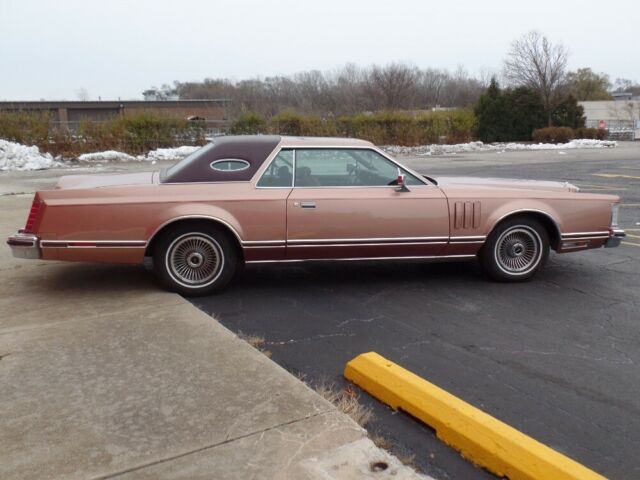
x: 25, y: 245
x: 615, y: 239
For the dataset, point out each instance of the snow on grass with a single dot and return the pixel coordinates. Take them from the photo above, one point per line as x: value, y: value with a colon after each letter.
x: 473, y: 147
x: 106, y: 156
x: 14, y: 156
x: 162, y: 154
x: 170, y: 153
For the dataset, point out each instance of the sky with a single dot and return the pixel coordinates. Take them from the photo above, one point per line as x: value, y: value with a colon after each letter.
x: 116, y: 49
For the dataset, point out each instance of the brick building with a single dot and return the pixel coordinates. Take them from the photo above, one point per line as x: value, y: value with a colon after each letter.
x: 70, y: 113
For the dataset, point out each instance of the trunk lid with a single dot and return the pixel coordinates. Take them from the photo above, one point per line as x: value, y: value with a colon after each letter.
x: 106, y: 180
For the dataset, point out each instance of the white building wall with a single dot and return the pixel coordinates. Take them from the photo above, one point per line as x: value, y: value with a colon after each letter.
x: 619, y: 116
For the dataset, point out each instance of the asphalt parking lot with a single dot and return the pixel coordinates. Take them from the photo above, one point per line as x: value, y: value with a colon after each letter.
x: 556, y: 358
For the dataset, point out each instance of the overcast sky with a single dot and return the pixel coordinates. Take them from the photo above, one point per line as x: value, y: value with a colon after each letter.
x: 112, y: 48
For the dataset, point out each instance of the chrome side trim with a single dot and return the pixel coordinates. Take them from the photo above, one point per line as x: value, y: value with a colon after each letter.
x: 426, y: 257
x: 93, y: 243
x: 585, y: 234
x: 250, y: 243
x: 358, y: 241
x: 388, y: 244
x: 469, y: 239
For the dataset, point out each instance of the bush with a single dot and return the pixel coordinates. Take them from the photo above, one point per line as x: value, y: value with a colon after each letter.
x: 591, y: 133
x: 25, y: 128
x: 553, y: 135
x: 399, y: 128
x: 136, y: 133
x: 249, y: 123
x: 291, y: 123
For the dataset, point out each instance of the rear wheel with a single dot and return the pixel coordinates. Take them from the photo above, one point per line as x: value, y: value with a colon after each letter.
x: 195, y: 259
x: 515, y: 250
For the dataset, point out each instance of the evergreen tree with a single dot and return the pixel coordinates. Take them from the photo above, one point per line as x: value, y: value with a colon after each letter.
x: 568, y: 114
x: 492, y: 115
x: 525, y: 113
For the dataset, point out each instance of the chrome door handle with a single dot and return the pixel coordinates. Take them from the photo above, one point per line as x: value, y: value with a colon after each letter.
x: 307, y: 204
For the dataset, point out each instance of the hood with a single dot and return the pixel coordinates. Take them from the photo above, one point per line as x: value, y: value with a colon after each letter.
x: 508, y: 183
x: 109, y: 180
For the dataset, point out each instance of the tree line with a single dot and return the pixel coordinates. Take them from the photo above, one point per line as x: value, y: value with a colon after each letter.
x: 532, y: 62
x: 347, y: 90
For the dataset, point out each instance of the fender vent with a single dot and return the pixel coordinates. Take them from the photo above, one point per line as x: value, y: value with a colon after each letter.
x: 467, y: 215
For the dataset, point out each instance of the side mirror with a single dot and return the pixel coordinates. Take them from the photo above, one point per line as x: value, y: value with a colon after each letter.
x: 401, y: 185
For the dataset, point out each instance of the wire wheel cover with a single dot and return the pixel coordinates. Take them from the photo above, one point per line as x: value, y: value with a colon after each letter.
x: 194, y: 259
x: 518, y: 250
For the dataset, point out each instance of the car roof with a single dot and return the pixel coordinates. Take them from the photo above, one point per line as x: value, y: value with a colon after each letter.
x: 323, y: 142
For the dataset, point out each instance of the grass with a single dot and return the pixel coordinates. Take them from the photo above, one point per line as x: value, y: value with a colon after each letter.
x: 256, y: 342
x: 347, y: 401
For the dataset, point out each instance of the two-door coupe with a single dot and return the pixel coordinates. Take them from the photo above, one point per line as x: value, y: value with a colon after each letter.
x: 256, y: 199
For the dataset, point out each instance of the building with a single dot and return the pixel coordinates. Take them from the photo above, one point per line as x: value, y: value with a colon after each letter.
x: 620, y: 117
x: 70, y: 113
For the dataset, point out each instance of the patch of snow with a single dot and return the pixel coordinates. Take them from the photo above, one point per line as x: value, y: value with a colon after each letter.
x: 472, y: 147
x: 170, y: 153
x: 160, y: 154
x: 106, y: 156
x: 14, y: 156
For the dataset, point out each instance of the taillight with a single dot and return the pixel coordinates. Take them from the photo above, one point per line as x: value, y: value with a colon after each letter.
x: 36, y: 207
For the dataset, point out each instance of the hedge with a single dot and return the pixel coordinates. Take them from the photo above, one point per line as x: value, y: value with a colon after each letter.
x: 382, y: 128
x: 564, y: 134
x: 133, y: 134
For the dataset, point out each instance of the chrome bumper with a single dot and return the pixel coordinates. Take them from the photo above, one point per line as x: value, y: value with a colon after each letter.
x: 615, y: 239
x: 25, y: 245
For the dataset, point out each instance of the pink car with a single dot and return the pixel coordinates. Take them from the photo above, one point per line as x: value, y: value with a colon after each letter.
x: 260, y: 199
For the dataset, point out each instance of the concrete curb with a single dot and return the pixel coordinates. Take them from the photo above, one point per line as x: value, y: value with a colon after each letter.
x: 480, y: 437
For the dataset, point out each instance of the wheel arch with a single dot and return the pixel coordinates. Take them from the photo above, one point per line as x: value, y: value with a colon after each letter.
x: 195, y: 219
x: 546, y: 219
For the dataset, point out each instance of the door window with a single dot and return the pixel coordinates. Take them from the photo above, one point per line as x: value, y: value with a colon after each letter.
x: 345, y: 168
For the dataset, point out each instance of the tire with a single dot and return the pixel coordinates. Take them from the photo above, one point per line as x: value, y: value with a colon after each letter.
x: 195, y: 259
x: 515, y: 250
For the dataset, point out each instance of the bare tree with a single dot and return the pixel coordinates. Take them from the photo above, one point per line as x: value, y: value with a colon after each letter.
x: 393, y: 86
x: 82, y: 94
x: 534, y: 62
x: 347, y: 90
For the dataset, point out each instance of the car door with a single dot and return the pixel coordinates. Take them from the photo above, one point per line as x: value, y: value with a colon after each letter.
x: 345, y: 204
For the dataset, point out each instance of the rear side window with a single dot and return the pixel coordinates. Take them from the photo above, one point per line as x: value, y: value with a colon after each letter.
x: 279, y: 173
x: 230, y: 165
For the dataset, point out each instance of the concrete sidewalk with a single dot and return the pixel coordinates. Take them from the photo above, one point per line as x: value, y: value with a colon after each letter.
x: 102, y: 375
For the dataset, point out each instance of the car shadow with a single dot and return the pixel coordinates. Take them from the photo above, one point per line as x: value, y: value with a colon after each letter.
x: 333, y: 274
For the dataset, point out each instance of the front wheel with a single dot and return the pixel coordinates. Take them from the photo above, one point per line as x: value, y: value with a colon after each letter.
x: 195, y: 259
x: 515, y: 250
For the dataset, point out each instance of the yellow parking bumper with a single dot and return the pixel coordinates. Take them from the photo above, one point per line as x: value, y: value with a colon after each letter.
x: 481, y: 438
